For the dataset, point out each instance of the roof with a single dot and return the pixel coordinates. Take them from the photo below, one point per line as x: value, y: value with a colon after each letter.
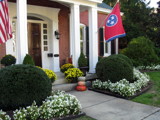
x: 104, y: 5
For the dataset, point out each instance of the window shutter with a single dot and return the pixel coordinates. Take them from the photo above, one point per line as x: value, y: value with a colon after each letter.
x: 113, y: 47
x: 101, y: 41
x: 87, y: 41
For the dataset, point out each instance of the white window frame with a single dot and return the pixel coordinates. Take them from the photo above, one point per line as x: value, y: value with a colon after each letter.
x: 84, y: 37
x: 106, y: 54
x: 109, y: 48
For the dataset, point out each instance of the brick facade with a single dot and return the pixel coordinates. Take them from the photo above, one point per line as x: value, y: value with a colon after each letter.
x: 2, y: 50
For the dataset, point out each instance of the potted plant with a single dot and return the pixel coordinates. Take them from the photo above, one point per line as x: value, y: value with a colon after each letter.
x: 72, y: 75
x: 82, y: 63
x: 8, y: 60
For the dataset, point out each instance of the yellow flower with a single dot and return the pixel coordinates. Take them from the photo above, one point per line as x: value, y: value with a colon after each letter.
x: 49, y: 73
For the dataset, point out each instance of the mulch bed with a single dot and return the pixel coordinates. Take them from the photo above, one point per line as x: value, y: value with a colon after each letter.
x: 68, y: 117
x: 107, y: 92
x: 143, y: 71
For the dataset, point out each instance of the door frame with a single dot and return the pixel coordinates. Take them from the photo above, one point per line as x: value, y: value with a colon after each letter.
x: 42, y: 46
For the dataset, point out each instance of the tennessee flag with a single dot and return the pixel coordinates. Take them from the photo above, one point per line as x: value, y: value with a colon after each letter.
x: 113, y: 25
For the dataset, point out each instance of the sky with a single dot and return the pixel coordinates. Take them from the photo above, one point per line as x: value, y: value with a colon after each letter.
x: 153, y: 3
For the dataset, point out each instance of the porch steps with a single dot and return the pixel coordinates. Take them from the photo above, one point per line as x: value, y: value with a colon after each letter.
x: 61, y: 84
x: 60, y: 78
x: 64, y: 87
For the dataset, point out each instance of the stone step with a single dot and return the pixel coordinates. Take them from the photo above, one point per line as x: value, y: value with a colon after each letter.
x: 60, y: 79
x: 64, y: 87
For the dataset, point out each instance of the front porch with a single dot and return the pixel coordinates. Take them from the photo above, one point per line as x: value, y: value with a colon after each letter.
x: 53, y: 16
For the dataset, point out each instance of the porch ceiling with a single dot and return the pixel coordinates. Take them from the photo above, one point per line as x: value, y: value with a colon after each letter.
x: 80, y: 2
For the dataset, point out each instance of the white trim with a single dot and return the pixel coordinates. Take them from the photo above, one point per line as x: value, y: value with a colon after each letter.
x: 71, y: 34
x: 117, y: 45
x: 84, y: 37
x: 88, y: 3
x: 104, y: 10
x: 75, y: 16
x: 107, y: 11
x: 22, y: 40
x: 93, y: 38
x: 109, y: 49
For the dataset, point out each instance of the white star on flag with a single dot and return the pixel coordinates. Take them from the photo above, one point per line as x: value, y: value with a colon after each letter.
x: 112, y: 22
x: 112, y: 17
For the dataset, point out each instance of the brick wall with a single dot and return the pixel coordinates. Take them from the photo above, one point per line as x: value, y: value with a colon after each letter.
x: 2, y: 50
x: 64, y: 37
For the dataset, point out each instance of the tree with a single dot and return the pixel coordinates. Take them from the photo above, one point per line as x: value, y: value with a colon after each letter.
x: 136, y: 19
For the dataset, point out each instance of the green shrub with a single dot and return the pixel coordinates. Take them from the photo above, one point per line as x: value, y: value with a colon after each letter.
x: 141, y: 51
x: 82, y: 61
x: 114, y: 68
x: 28, y: 60
x: 65, y: 67
x: 128, y: 60
x: 8, y: 60
x: 21, y: 85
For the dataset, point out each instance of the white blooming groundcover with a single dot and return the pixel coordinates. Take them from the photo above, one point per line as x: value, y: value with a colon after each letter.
x: 151, y: 68
x: 123, y: 87
x: 59, y: 105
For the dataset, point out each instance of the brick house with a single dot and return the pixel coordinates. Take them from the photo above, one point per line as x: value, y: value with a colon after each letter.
x: 53, y: 30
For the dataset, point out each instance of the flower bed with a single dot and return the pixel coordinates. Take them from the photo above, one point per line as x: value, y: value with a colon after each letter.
x: 149, y: 68
x: 59, y: 105
x: 123, y: 87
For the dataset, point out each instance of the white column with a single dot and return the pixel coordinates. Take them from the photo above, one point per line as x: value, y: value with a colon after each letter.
x: 93, y: 39
x: 117, y: 45
x: 56, y: 60
x: 71, y: 35
x: 75, y: 39
x: 22, y: 40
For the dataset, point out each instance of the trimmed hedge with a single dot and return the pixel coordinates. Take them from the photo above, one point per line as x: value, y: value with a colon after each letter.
x: 82, y: 61
x: 114, y: 68
x: 141, y: 51
x: 8, y: 60
x: 128, y: 60
x: 21, y: 85
x: 28, y: 60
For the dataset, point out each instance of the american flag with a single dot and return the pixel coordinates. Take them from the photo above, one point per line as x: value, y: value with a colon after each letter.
x: 5, y: 27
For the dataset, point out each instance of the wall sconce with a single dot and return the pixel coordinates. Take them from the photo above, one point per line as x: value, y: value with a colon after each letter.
x: 57, y: 34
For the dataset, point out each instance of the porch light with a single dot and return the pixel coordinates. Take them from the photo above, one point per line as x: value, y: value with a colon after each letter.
x: 57, y: 34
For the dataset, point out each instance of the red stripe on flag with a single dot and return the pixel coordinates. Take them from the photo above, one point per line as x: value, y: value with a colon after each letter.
x: 5, y: 27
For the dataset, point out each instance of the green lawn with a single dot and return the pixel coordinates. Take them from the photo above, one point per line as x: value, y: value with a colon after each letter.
x: 84, y: 118
x: 151, y: 97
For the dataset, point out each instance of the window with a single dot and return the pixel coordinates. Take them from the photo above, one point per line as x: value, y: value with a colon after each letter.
x: 107, y: 48
x: 45, y: 37
x: 83, y: 38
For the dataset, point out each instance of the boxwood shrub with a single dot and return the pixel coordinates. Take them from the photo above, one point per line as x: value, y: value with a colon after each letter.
x: 8, y: 60
x: 114, y: 68
x: 21, y: 85
x: 141, y: 51
x: 124, y: 57
x: 28, y: 60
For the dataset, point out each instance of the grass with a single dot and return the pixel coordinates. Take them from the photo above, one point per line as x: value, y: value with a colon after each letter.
x: 84, y: 118
x: 151, y: 97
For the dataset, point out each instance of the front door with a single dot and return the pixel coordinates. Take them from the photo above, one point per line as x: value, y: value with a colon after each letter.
x: 34, y: 42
